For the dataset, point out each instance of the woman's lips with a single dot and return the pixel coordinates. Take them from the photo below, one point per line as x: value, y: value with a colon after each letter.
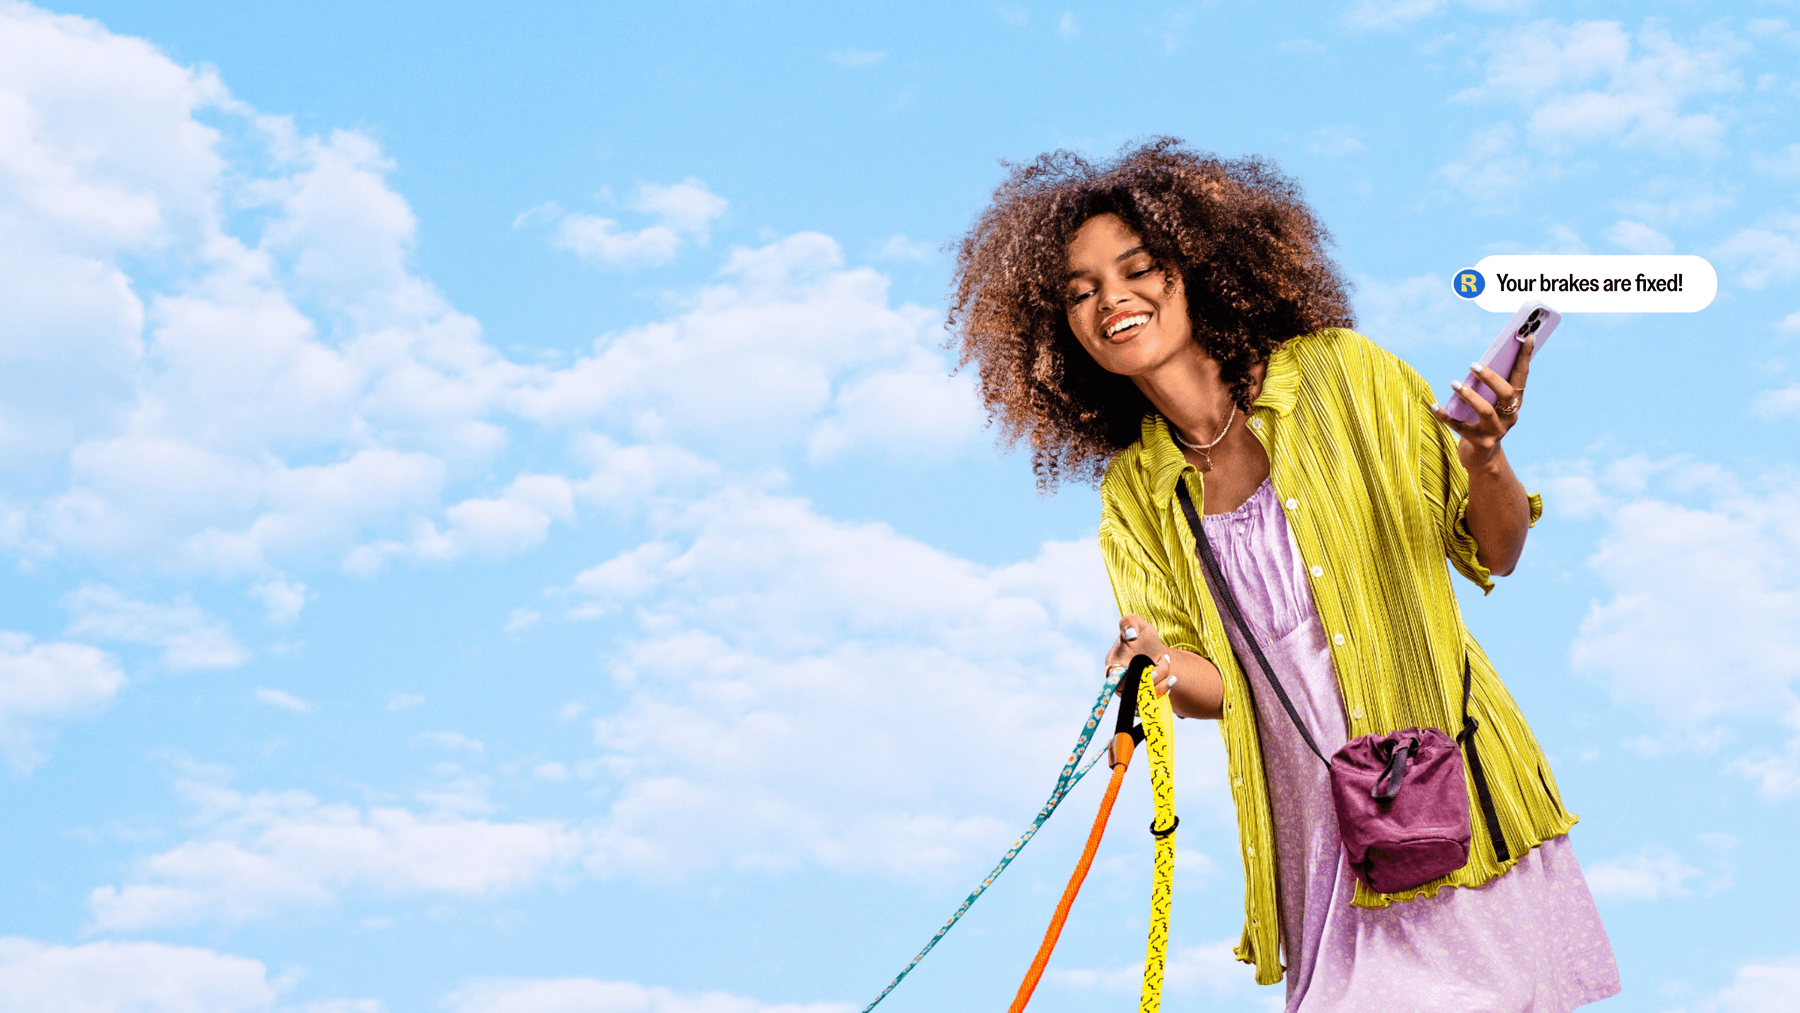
x: 1122, y: 327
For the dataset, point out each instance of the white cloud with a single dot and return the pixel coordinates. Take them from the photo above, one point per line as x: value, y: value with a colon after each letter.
x: 1783, y: 162
x: 1418, y: 312
x: 284, y: 700
x: 683, y: 212
x: 267, y: 853
x: 1776, y: 773
x: 1492, y: 165
x: 763, y: 631
x: 856, y: 59
x: 285, y: 325
x: 688, y: 207
x: 1711, y: 589
x: 591, y: 995
x: 627, y: 575
x: 455, y: 742
x: 1210, y: 966
x: 1636, y: 237
x: 902, y: 247
x: 45, y: 682
x: 788, y: 314
x: 1779, y: 403
x: 1589, y: 83
x: 296, y: 396
x: 1756, y: 987
x: 492, y: 526
x: 1652, y: 872
x: 283, y: 599
x: 128, y: 977
x: 1701, y: 619
x: 629, y: 477
x: 188, y: 636
x: 1068, y: 27
x: 1674, y: 199
x: 1381, y: 14
x: 1764, y: 255
x: 405, y: 701
x: 917, y: 416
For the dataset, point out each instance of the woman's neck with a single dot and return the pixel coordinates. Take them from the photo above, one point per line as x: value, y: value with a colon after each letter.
x: 1189, y: 391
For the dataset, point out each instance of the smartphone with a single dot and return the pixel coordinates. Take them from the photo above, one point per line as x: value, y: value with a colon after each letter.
x: 1534, y: 320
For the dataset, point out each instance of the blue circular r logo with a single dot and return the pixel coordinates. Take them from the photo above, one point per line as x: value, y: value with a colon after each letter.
x: 1468, y: 283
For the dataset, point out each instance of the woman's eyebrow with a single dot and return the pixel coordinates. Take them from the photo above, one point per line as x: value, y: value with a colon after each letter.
x: 1134, y: 251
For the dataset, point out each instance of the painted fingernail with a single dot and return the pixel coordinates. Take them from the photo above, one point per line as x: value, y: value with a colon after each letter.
x: 1474, y: 367
x: 1173, y: 679
x: 1164, y: 661
x: 1130, y: 634
x: 1436, y: 407
x: 1456, y: 385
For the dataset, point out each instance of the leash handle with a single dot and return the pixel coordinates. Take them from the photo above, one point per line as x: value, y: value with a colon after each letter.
x: 1127, y: 731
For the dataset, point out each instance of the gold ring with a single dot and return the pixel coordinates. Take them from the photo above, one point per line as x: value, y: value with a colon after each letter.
x: 1511, y: 407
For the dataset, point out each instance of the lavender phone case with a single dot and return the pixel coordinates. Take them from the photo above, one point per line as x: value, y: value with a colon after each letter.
x: 1534, y: 319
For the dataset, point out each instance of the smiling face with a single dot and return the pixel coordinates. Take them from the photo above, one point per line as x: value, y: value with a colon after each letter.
x: 1129, y: 314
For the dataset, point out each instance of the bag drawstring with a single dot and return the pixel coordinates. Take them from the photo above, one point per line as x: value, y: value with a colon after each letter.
x: 1387, y: 786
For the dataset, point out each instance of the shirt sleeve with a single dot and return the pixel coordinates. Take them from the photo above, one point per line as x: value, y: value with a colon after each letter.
x: 1445, y: 485
x: 1144, y: 588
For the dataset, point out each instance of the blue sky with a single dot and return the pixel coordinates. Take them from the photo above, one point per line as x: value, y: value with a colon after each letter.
x: 490, y: 524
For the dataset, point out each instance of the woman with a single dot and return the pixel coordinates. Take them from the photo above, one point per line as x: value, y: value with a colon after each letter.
x: 1169, y: 319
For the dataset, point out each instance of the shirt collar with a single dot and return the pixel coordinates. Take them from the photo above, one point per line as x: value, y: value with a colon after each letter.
x: 1163, y: 459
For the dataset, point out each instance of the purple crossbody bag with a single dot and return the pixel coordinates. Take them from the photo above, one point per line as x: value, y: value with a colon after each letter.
x: 1402, y: 805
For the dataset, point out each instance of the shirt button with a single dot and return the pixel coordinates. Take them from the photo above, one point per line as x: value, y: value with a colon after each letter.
x: 1292, y: 503
x: 1318, y: 571
x: 1256, y: 423
x: 1338, y: 640
x: 1356, y: 714
x: 1252, y: 850
x: 1237, y: 782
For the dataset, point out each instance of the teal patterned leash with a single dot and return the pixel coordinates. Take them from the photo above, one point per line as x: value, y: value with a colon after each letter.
x: 1065, y: 782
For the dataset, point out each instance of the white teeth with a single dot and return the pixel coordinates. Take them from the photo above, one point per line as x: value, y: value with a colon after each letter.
x: 1130, y: 321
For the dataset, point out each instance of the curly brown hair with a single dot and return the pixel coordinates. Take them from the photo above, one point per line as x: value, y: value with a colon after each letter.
x: 1249, y: 251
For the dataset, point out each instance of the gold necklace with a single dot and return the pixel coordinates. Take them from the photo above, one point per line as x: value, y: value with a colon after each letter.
x: 1206, y: 451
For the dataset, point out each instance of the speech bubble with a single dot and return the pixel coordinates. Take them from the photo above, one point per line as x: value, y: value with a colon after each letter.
x: 1600, y: 283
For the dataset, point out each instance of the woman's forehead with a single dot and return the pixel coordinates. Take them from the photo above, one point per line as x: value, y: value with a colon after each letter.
x: 1101, y: 240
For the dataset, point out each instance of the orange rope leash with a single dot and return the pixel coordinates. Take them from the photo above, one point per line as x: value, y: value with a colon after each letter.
x: 1122, y: 744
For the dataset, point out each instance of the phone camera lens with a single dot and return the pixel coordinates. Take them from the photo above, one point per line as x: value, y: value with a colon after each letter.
x: 1535, y: 314
x: 1534, y: 326
x: 1524, y: 332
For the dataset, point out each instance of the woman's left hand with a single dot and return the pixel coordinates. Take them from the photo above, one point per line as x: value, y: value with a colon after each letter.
x: 1481, y: 440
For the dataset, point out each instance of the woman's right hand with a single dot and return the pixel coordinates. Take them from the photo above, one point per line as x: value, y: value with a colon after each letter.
x: 1138, y: 636
x: 1202, y: 692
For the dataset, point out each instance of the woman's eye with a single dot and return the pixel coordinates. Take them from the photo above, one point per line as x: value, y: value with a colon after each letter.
x: 1079, y: 296
x: 1140, y: 274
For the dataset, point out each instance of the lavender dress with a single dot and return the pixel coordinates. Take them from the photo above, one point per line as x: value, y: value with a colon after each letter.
x: 1529, y: 940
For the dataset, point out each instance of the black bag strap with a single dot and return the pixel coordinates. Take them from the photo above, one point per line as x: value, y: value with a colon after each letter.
x: 1467, y: 737
x: 1231, y: 605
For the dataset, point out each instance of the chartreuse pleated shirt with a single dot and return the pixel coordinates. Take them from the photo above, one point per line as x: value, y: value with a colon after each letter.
x: 1375, y: 497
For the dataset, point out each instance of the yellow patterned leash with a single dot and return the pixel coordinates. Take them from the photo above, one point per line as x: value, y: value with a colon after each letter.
x: 1158, y: 718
